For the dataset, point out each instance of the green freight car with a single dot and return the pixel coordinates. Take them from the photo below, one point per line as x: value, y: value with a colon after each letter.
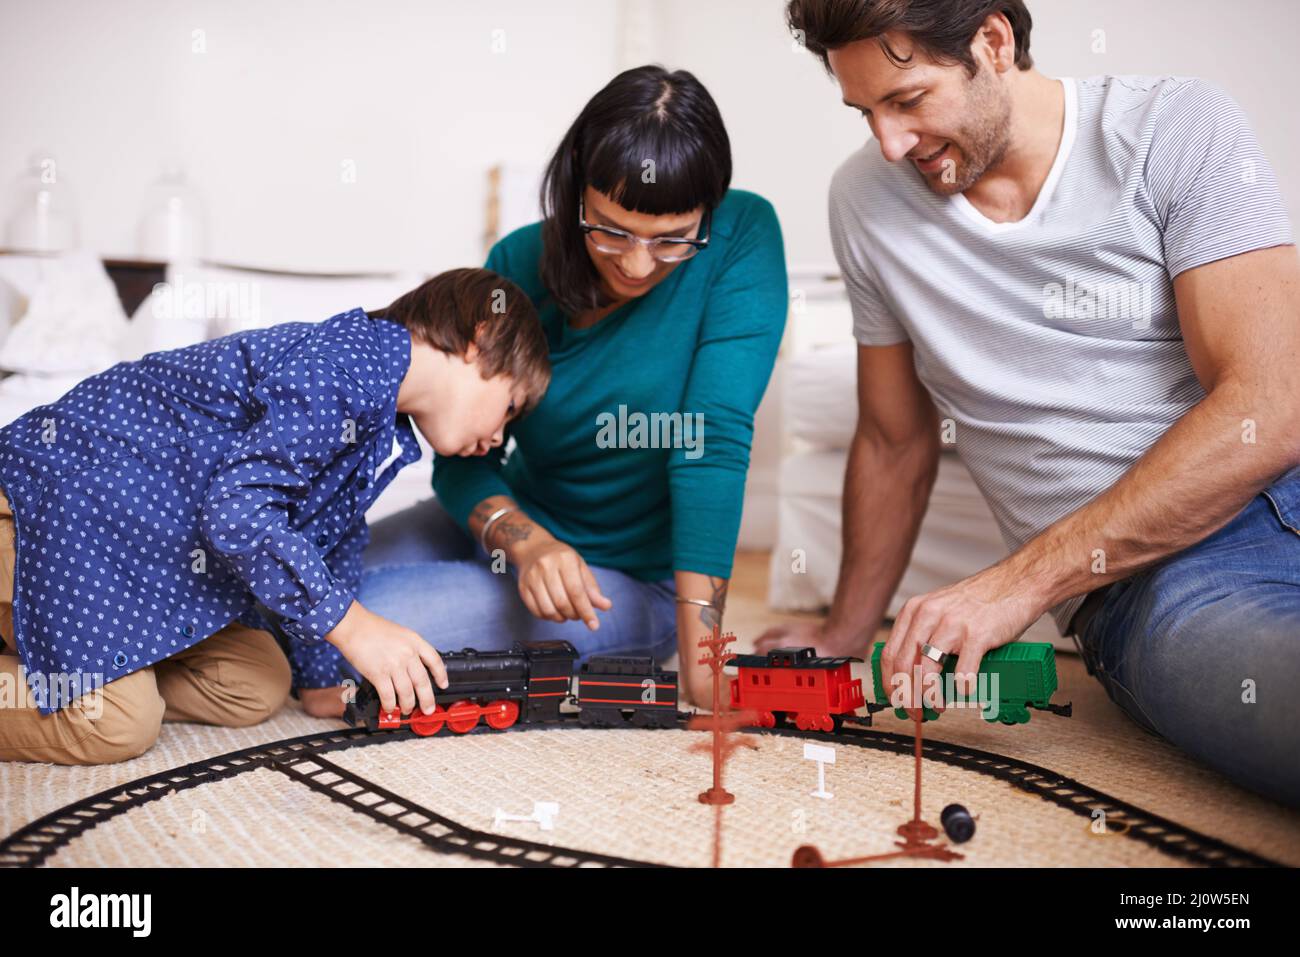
x: 1011, y: 680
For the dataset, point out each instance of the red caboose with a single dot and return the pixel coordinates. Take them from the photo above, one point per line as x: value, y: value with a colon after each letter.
x: 816, y: 692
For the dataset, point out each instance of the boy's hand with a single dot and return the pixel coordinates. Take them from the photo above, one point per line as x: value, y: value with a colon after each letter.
x: 396, y: 660
x: 556, y: 584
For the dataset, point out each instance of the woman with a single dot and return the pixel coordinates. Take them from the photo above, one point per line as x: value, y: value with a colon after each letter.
x: 663, y: 295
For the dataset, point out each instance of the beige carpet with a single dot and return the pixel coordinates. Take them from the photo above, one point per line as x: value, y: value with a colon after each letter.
x: 626, y: 793
x: 632, y: 793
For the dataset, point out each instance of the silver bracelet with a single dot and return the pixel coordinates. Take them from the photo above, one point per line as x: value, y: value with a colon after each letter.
x: 703, y: 603
x: 492, y: 520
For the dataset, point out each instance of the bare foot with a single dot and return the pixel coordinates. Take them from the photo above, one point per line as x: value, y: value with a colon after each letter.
x: 801, y: 634
x: 323, y: 702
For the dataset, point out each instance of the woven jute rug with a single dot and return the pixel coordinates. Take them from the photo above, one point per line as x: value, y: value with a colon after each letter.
x: 632, y: 794
x: 626, y: 793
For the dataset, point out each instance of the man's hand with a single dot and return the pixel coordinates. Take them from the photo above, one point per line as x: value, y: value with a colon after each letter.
x: 396, y: 660
x: 556, y: 584
x: 968, y: 619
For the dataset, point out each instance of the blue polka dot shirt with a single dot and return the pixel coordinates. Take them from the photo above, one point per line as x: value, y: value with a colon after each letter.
x: 161, y: 500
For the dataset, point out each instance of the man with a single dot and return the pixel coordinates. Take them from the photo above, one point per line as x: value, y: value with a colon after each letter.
x: 1091, y: 288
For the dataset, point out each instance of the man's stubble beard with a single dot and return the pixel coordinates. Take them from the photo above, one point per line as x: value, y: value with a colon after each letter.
x: 983, y: 144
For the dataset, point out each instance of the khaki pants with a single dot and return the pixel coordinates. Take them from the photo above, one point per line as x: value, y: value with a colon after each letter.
x: 235, y: 678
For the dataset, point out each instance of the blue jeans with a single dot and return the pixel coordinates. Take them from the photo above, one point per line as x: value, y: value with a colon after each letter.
x: 421, y: 570
x: 1203, y: 649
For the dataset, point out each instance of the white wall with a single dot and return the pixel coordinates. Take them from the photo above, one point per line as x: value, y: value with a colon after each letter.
x: 412, y: 91
x: 287, y: 90
x: 789, y: 130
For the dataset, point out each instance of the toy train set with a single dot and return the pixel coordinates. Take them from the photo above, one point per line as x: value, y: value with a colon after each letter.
x: 529, y: 684
x: 533, y: 680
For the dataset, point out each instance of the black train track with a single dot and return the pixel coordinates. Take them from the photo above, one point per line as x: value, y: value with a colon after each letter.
x: 301, y: 760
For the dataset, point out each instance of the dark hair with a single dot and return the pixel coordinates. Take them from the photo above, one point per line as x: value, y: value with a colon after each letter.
x: 464, y: 306
x: 646, y: 113
x: 942, y: 28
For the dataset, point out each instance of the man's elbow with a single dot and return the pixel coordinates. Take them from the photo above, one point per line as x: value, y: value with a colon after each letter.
x: 1270, y: 413
x: 918, y: 450
x: 218, y: 534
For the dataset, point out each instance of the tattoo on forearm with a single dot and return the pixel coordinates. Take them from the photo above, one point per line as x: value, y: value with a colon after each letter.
x: 481, y: 513
x: 712, y: 617
x: 511, y: 533
x: 484, y: 510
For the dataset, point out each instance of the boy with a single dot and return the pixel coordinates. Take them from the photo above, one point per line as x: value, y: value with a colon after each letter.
x: 159, y: 520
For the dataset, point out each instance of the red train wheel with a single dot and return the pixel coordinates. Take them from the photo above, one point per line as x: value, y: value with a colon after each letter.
x: 428, y: 724
x: 502, y: 714
x: 766, y: 719
x: 801, y: 722
x: 825, y: 723
x: 462, y: 716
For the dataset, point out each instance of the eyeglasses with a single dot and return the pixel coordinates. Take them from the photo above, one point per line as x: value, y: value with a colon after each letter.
x: 664, y: 249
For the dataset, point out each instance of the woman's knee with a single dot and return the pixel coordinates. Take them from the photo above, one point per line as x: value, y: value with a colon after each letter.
x: 443, y: 601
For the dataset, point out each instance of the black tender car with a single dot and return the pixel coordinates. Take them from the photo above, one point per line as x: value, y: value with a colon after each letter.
x: 613, y: 690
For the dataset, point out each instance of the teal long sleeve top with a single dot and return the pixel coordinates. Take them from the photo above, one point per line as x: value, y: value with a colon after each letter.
x: 589, y: 462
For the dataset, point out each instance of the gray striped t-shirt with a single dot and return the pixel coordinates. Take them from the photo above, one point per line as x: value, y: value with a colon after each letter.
x: 1052, y: 343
